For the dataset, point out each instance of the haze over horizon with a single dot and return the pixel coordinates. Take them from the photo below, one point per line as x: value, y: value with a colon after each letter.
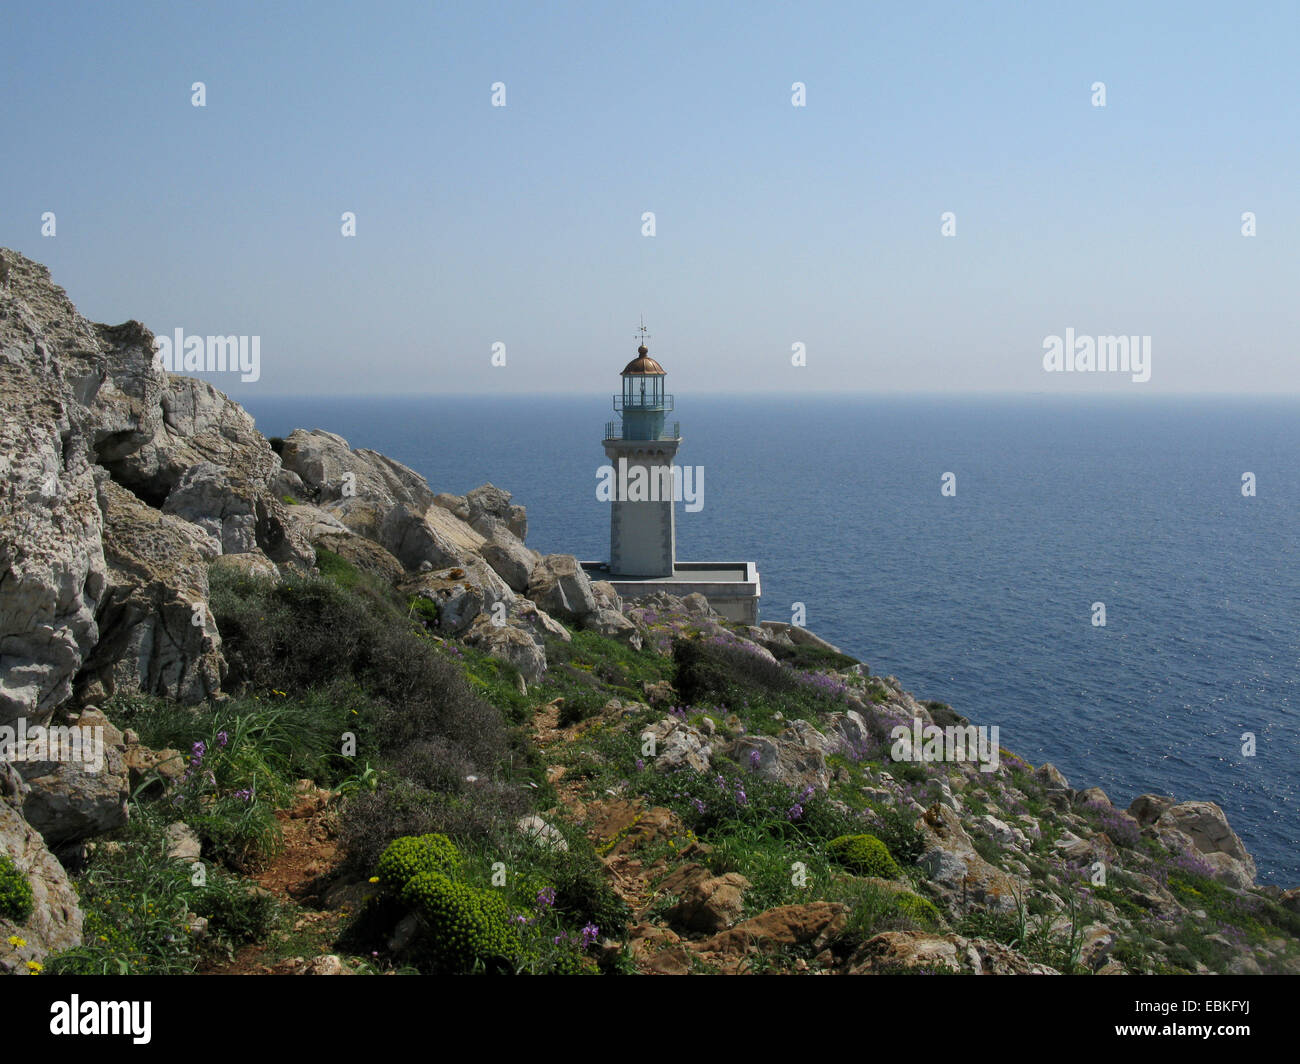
x: 775, y: 224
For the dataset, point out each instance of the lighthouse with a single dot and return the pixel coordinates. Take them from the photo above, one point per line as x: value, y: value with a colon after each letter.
x: 641, y: 446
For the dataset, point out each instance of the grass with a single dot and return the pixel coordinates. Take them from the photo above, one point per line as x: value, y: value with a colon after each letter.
x: 139, y: 907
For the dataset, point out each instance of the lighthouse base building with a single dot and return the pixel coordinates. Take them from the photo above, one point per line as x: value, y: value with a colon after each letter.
x: 641, y: 448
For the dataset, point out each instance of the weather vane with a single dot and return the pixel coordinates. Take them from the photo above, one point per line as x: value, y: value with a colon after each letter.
x: 642, y: 335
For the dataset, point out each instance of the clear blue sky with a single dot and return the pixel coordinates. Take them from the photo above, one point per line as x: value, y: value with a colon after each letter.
x: 775, y: 224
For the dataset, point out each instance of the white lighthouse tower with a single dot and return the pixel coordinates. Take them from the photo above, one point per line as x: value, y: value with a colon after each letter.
x: 641, y: 447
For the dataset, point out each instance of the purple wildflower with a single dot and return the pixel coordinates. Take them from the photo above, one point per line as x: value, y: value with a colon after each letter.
x: 794, y: 812
x: 222, y: 738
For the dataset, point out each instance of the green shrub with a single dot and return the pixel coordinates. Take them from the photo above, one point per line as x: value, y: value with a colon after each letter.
x: 919, y: 910
x: 15, y: 892
x: 426, y: 610
x: 401, y: 806
x: 896, y: 828
x: 466, y: 926
x: 864, y: 855
x: 811, y: 657
x: 407, y: 857
x: 138, y: 904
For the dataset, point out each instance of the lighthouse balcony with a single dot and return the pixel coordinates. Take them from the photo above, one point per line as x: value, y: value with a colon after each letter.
x: 615, y: 430
x: 648, y: 403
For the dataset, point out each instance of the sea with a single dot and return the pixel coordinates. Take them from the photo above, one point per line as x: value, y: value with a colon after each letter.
x: 984, y: 596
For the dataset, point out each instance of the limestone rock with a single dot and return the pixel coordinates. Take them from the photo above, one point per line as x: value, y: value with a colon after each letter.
x: 311, y: 522
x: 511, y: 644
x: 455, y: 503
x: 1207, y: 826
x: 459, y: 600
x: 791, y: 763
x: 614, y: 625
x: 52, y: 569
x: 507, y: 555
x: 253, y: 563
x: 560, y: 586
x: 157, y: 634
x: 366, y: 555
x: 334, y: 472
x: 526, y: 614
x: 679, y: 745
x: 491, y: 501
x: 955, y: 869
x: 605, y: 595
x: 182, y: 843
x: 71, y: 800
x: 706, y: 903
x: 920, y: 950
x: 812, y: 924
x: 1146, y: 809
x: 55, y: 920
x: 433, y: 535
x: 538, y: 831
x: 205, y: 496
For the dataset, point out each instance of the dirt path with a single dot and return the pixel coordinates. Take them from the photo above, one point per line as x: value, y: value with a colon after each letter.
x: 294, y: 877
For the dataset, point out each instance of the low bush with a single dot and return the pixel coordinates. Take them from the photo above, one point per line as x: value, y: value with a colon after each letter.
x: 864, y: 855
x: 15, y: 892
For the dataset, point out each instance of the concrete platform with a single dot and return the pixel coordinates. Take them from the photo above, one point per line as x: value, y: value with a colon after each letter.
x: 732, y: 588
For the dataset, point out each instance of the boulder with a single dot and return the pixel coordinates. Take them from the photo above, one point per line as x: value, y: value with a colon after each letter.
x: 54, y: 923
x: 922, y: 951
x: 790, y: 763
x: 956, y: 871
x: 678, y: 745
x: 205, y: 496
x: 811, y: 924
x: 1207, y: 826
x: 526, y: 614
x: 706, y: 903
x: 366, y: 555
x: 458, y: 598
x: 157, y: 635
x: 434, y: 536
x: 538, y: 831
x: 510, y: 644
x: 74, y: 798
x: 362, y: 516
x: 613, y: 625
x: 455, y: 503
x: 1146, y: 809
x: 332, y: 471
x: 560, y: 586
x: 605, y: 595
x: 182, y: 843
x: 253, y: 563
x: 311, y: 522
x: 488, y: 501
x: 52, y: 569
x: 507, y: 555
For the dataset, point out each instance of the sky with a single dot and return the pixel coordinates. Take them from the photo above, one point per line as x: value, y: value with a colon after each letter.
x: 775, y: 225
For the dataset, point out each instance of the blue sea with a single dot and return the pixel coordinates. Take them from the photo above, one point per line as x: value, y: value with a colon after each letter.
x: 982, y: 599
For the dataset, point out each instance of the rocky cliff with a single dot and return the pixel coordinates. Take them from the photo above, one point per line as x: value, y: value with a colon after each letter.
x: 131, y: 492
